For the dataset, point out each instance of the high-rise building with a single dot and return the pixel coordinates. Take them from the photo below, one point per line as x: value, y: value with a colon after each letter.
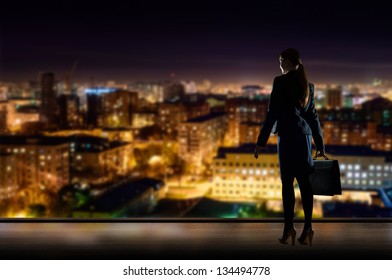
x: 171, y: 114
x: 40, y: 162
x: 8, y: 182
x: 334, y: 98
x: 3, y: 116
x: 94, y: 110
x: 49, y: 108
x: 69, y: 116
x: 118, y: 108
x: 199, y: 139
x: 243, y: 110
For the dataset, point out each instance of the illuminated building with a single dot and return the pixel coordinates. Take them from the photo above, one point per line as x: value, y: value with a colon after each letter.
x: 3, y: 116
x: 144, y: 118
x: 42, y: 162
x: 379, y: 109
x: 242, y: 110
x: 199, y: 139
x: 69, y: 115
x: 118, y: 108
x: 362, y: 167
x: 8, y: 179
x: 334, y: 98
x: 249, y: 131
x: 349, y: 132
x: 21, y: 111
x: 383, y: 141
x: 365, y: 126
x: 131, y: 198
x: 155, y: 92
x: 171, y: 114
x: 49, y: 107
x: 96, y: 159
x: 238, y: 176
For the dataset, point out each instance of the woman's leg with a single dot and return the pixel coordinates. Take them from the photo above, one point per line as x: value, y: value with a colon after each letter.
x: 307, y: 198
x: 288, y: 198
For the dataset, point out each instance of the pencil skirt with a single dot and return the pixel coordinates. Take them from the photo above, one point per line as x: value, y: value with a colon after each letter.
x: 295, y: 155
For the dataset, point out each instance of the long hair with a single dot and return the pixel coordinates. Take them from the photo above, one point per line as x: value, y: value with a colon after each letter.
x: 293, y: 56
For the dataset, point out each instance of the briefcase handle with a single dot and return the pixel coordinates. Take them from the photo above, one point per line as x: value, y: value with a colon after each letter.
x: 319, y: 155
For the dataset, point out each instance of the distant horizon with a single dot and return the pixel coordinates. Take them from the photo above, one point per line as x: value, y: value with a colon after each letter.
x: 267, y: 80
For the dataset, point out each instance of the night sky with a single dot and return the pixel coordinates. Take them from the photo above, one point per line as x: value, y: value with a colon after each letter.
x: 236, y: 42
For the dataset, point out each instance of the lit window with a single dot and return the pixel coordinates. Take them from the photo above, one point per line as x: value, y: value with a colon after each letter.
x: 349, y: 167
x: 244, y: 171
x: 251, y: 171
x: 379, y: 167
x: 364, y: 175
x: 356, y: 182
x: 371, y: 182
x: 371, y: 167
x: 342, y: 167
x: 257, y: 172
x: 349, y: 174
x: 264, y: 172
x: 357, y: 167
x: 386, y: 167
x: 356, y: 174
x: 378, y: 182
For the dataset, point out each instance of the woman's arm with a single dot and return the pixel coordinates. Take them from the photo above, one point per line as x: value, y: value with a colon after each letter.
x: 272, y: 116
x: 314, y: 122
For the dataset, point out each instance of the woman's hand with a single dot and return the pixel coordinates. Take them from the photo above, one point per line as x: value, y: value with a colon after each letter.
x: 320, y: 153
x: 257, y: 151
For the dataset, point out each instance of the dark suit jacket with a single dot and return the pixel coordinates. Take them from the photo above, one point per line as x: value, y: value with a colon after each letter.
x: 287, y: 116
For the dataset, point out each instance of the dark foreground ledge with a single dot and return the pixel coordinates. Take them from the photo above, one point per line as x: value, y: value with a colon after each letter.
x: 190, y: 239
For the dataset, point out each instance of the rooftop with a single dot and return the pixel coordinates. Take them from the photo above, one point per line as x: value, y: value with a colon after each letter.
x: 121, y: 194
x: 336, y: 150
x: 204, y: 118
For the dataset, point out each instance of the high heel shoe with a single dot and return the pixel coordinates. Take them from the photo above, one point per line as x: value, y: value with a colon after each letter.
x: 306, y: 237
x: 286, y: 235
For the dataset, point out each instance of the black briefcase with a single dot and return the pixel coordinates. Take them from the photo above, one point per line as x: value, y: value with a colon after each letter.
x: 326, y: 177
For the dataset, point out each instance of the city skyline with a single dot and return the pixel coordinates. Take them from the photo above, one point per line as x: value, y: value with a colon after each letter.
x: 340, y: 43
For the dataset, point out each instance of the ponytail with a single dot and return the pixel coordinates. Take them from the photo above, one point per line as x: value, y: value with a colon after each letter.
x: 305, y: 85
x: 294, y: 57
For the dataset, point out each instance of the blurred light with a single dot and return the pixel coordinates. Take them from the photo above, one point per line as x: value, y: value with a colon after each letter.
x: 99, y: 90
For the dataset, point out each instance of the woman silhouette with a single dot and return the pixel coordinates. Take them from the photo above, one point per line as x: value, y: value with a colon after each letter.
x: 292, y: 114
